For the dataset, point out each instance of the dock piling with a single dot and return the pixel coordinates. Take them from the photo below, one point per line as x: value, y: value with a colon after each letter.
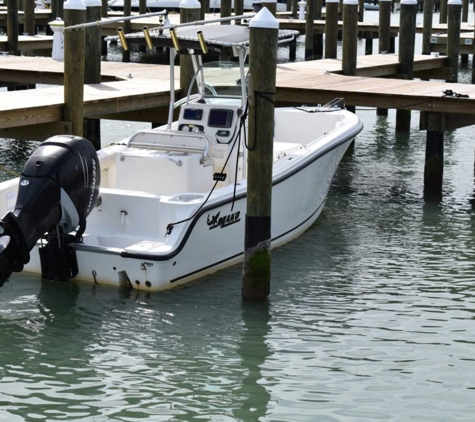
x: 29, y: 26
x: 309, y: 30
x: 189, y: 12
x: 427, y: 26
x: 105, y: 8
x: 92, y: 71
x: 12, y: 26
x: 263, y: 61
x: 74, y: 62
x: 434, y: 157
x: 126, y: 29
x: 407, y: 37
x: 331, y: 29
x: 454, y: 12
x: 350, y: 37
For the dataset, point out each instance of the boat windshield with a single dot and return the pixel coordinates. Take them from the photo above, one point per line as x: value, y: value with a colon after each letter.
x: 222, y: 78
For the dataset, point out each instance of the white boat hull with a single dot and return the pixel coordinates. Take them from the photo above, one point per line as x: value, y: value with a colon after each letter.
x: 214, y: 239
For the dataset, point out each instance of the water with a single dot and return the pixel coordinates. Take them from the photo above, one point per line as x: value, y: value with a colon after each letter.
x: 370, y: 317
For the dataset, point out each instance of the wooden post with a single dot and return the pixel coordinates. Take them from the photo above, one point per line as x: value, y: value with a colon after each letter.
x: 74, y: 62
x: 384, y: 33
x: 126, y: 28
x: 54, y: 9
x: 331, y: 29
x: 12, y: 26
x: 29, y: 17
x: 105, y: 8
x: 427, y: 26
x: 384, y: 37
x: 368, y: 43
x: 465, y: 7
x: 407, y: 36
x: 295, y: 8
x: 318, y: 37
x: 238, y: 9
x: 60, y: 9
x: 142, y: 10
x: 225, y: 10
x: 189, y: 12
x: 271, y: 5
x: 443, y: 11
x: 309, y: 30
x: 350, y: 37
x: 360, y: 10
x: 92, y: 71
x: 434, y: 158
x: 263, y: 62
x: 454, y: 11
x: 104, y: 14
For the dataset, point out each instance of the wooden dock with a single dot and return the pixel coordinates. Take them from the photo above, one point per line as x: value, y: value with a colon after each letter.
x: 140, y: 92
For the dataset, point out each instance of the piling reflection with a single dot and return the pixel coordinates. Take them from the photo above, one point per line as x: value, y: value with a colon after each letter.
x: 254, y: 351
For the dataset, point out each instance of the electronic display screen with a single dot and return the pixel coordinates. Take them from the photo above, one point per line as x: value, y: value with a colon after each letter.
x: 193, y: 114
x: 220, y: 118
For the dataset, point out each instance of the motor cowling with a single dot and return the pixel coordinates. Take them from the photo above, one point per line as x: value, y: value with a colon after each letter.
x: 57, y: 190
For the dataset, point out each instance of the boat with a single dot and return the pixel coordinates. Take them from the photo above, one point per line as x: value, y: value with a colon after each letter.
x: 155, y: 5
x: 167, y: 205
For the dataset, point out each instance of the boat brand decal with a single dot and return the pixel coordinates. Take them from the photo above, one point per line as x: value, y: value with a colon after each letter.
x: 224, y: 221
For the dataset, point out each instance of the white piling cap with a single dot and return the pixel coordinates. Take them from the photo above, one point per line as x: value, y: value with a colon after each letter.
x: 455, y: 2
x: 408, y: 1
x: 333, y: 1
x: 189, y: 4
x: 75, y: 5
x: 264, y: 19
x: 93, y: 3
x: 353, y: 2
x: 269, y: 1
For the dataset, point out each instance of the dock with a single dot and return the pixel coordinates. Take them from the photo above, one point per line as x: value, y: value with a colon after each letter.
x: 140, y: 92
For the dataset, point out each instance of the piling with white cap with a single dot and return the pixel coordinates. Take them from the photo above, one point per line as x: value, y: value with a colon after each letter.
x: 350, y: 37
x: 12, y: 26
x: 454, y: 15
x: 74, y: 62
x: 92, y: 71
x: 407, y: 38
x: 427, y: 25
x: 262, y: 80
x: 331, y: 29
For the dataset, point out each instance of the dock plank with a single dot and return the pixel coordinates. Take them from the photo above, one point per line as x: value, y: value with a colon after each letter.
x: 312, y: 82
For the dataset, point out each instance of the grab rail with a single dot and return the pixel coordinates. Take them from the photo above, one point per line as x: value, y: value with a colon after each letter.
x: 172, y: 147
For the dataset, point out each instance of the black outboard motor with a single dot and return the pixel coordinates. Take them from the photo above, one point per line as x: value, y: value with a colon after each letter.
x: 58, y: 188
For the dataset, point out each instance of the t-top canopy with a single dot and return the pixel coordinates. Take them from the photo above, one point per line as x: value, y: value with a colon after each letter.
x: 216, y: 37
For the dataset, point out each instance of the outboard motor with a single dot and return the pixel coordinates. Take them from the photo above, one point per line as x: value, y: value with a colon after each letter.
x: 58, y: 189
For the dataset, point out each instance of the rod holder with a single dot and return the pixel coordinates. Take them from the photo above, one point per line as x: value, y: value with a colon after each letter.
x: 201, y: 39
x: 176, y: 44
x: 148, y: 39
x: 123, y: 40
